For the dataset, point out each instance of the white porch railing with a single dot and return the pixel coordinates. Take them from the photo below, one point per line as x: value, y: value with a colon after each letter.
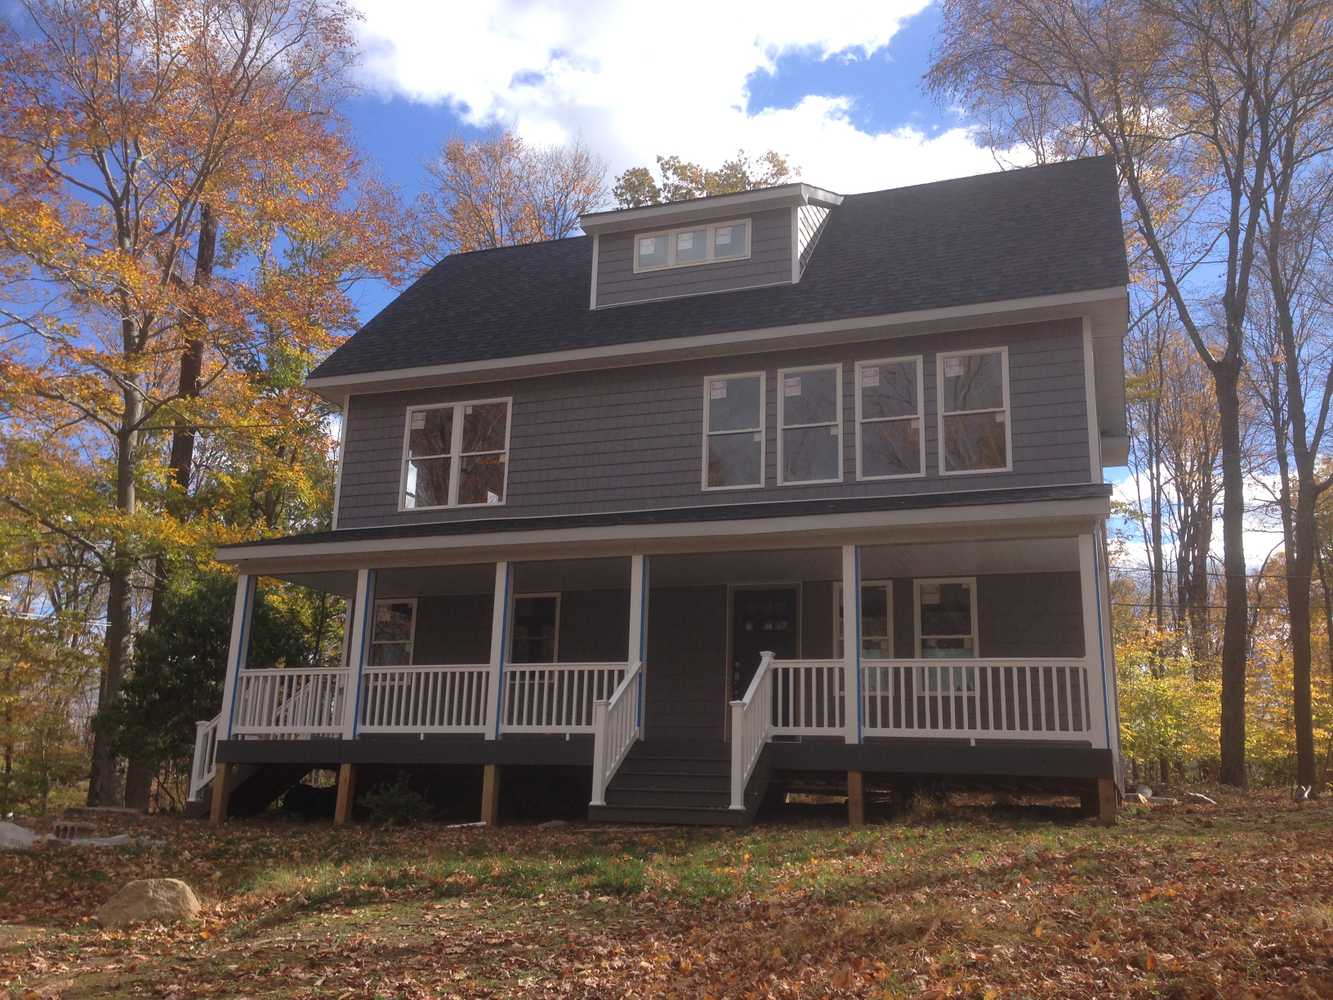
x: 278, y: 702
x: 555, y: 697
x: 751, y: 726
x: 808, y: 697
x: 448, y: 698
x: 616, y: 727
x: 992, y: 698
x: 205, y: 755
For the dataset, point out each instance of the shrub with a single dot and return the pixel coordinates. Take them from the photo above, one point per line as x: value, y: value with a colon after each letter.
x: 396, y: 803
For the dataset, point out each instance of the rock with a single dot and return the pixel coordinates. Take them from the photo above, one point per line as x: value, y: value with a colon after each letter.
x: 1163, y: 800
x: 1145, y: 791
x: 165, y: 900
x: 1200, y: 798
x: 15, y: 838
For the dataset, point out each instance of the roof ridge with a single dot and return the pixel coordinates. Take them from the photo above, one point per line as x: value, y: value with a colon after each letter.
x: 1002, y: 172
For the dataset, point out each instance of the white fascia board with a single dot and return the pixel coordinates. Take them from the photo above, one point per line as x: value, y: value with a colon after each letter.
x: 797, y: 335
x: 754, y: 201
x: 795, y: 531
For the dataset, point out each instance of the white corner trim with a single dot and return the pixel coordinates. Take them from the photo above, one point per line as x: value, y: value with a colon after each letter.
x: 1090, y: 389
x: 592, y: 286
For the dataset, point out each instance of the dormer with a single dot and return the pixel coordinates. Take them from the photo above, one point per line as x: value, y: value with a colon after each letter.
x: 723, y: 243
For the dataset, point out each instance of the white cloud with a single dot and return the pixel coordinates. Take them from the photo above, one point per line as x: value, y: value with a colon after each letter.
x: 635, y: 81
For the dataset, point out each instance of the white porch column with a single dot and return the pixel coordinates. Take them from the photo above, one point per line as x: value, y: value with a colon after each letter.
x: 499, y: 647
x: 242, y: 614
x: 638, y: 627
x: 851, y: 641
x: 358, y: 643
x: 1094, y: 653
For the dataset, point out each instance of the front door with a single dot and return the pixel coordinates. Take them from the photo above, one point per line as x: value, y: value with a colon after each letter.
x: 762, y: 618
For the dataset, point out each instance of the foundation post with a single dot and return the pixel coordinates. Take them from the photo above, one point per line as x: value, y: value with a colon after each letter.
x: 856, y: 801
x: 342, y: 812
x: 217, y: 813
x: 490, y: 795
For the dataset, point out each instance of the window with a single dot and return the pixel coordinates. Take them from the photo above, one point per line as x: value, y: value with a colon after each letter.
x: 535, y: 633
x: 891, y: 434
x: 456, y: 455
x: 810, y: 425
x: 700, y: 244
x: 946, y: 619
x: 733, y: 431
x: 974, y: 411
x: 392, y: 633
x: 876, y: 619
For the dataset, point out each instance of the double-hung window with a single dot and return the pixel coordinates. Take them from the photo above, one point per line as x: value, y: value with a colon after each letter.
x: 891, y: 433
x: 810, y: 425
x: 535, y: 634
x: 974, y: 411
x: 392, y: 633
x: 733, y: 431
x: 701, y: 244
x: 456, y: 455
x: 946, y: 629
x: 876, y: 619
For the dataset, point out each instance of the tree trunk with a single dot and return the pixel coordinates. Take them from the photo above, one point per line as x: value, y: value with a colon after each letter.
x: 1299, y: 567
x: 142, y: 770
x: 1226, y: 378
x: 103, y: 784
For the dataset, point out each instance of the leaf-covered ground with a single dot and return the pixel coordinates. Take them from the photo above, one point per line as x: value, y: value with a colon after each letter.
x: 1181, y: 902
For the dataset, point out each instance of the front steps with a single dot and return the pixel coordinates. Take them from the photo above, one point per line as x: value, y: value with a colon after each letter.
x: 679, y: 782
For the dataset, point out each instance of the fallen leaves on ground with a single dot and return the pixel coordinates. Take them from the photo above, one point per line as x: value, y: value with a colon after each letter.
x: 1183, y: 902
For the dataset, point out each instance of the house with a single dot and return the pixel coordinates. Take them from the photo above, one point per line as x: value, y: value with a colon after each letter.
x: 723, y: 494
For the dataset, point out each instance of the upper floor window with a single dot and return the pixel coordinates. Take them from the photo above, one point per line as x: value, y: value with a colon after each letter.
x: 891, y: 434
x: 692, y: 245
x: 392, y: 633
x: 456, y: 455
x: 810, y: 425
x: 733, y: 431
x: 974, y: 411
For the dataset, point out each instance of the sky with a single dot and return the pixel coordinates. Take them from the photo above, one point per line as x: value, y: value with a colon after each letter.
x: 836, y: 88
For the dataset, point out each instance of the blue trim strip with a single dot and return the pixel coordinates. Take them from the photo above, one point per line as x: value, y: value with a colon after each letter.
x: 860, y: 700
x: 242, y: 645
x: 504, y: 647
x: 1101, y: 639
x: 367, y: 623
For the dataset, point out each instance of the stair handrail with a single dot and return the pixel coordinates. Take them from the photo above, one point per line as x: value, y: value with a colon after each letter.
x: 617, y: 724
x: 204, y: 763
x: 751, y: 725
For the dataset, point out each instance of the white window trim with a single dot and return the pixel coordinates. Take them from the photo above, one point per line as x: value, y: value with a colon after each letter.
x: 455, y: 454
x: 710, y: 228
x: 837, y: 615
x: 411, y: 635
x: 920, y: 417
x: 762, y: 431
x: 1008, y: 415
x: 917, y: 585
x: 513, y: 622
x: 782, y: 396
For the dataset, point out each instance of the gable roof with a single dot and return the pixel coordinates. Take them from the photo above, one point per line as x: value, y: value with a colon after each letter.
x: 1014, y: 234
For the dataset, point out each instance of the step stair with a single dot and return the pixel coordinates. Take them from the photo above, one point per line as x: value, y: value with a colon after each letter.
x: 685, y: 782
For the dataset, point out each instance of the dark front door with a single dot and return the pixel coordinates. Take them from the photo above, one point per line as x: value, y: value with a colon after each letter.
x: 761, y: 619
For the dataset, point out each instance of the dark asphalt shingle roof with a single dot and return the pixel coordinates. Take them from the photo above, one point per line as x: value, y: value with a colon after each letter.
x: 1036, y: 231
x: 688, y: 515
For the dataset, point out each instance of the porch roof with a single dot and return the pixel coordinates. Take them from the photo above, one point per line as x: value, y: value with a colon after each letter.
x: 813, y: 519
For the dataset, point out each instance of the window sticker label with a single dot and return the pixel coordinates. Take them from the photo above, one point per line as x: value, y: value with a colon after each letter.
x: 791, y: 385
x: 647, y: 247
x: 999, y: 416
x: 717, y: 390
x: 723, y: 237
x: 685, y: 241
x: 930, y: 594
x: 953, y: 367
x: 419, y: 421
x: 870, y: 378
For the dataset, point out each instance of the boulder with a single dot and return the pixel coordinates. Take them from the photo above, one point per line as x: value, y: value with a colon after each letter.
x: 164, y: 900
x: 16, y: 838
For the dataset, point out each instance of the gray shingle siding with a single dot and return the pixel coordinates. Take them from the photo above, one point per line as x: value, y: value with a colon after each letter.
x: 631, y: 438
x: 769, y: 263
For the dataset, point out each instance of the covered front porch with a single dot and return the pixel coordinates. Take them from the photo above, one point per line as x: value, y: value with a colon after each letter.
x: 982, y: 646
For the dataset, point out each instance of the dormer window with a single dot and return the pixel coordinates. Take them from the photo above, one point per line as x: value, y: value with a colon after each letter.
x: 699, y: 244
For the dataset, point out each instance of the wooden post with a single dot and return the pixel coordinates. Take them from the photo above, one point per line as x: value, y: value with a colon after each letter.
x: 1107, y: 803
x: 217, y: 813
x: 490, y: 795
x: 856, y: 801
x: 342, y: 812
